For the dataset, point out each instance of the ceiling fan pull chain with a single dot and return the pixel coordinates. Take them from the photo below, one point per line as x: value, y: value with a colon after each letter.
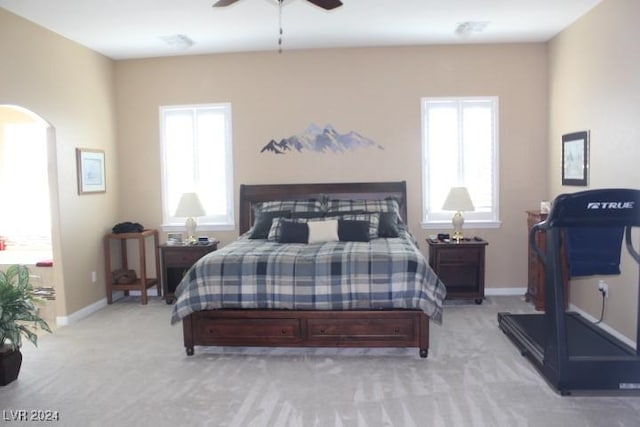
x: 280, y: 25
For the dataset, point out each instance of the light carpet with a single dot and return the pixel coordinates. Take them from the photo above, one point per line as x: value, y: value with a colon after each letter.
x: 126, y: 366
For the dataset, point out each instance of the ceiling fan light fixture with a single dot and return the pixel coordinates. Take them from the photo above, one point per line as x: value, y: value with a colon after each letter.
x: 178, y: 41
x: 327, y: 5
x: 323, y: 4
x: 465, y: 29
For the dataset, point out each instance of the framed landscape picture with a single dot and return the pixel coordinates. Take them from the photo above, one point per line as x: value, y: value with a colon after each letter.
x: 91, y: 177
x: 575, y: 158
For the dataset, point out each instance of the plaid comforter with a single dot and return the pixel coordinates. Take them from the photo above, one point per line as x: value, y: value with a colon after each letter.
x: 387, y: 273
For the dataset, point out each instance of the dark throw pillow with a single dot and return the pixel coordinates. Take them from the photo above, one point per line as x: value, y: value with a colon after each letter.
x: 263, y: 221
x: 293, y: 232
x: 388, y: 226
x: 353, y: 230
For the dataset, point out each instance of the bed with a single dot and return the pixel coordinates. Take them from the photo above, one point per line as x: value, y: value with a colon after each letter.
x: 355, y: 293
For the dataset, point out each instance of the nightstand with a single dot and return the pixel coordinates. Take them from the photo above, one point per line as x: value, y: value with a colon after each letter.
x: 177, y: 260
x: 460, y: 266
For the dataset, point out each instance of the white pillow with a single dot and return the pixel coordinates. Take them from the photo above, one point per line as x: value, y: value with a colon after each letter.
x: 323, y: 231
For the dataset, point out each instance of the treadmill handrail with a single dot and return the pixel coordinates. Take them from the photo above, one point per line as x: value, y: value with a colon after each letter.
x: 533, y: 242
x: 634, y: 253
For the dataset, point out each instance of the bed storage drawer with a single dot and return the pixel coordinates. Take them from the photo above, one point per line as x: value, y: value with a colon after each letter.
x: 254, y: 331
x: 361, y: 330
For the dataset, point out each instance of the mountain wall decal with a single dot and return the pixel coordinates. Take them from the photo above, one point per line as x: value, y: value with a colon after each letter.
x: 320, y: 140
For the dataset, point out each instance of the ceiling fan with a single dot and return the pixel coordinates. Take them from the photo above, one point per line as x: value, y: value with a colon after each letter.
x: 324, y: 4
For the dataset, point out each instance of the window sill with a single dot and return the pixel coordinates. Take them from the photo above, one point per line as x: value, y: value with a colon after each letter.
x: 200, y: 227
x: 433, y: 225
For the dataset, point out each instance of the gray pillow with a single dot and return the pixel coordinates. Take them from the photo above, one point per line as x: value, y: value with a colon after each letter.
x: 388, y: 226
x: 263, y: 222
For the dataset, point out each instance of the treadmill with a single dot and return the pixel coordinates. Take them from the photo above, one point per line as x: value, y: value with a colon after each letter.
x: 570, y: 352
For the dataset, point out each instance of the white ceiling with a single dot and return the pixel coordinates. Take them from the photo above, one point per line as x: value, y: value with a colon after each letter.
x: 123, y: 29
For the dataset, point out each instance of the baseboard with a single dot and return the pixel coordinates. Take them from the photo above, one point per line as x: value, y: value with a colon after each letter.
x: 98, y: 305
x: 603, y: 325
x: 82, y: 313
x: 504, y: 291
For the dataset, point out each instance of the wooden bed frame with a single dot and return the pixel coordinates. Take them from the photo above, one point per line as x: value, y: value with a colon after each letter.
x: 298, y: 328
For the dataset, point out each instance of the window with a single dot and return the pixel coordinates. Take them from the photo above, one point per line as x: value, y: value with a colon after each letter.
x: 196, y: 156
x: 25, y: 217
x: 460, y: 148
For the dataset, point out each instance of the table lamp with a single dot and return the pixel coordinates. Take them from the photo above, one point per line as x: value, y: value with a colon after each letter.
x: 458, y: 200
x: 190, y: 206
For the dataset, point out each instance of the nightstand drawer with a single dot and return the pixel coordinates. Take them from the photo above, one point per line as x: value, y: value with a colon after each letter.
x: 453, y: 255
x: 183, y: 257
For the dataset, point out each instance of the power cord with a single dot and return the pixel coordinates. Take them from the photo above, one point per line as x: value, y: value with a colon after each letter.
x: 602, y: 311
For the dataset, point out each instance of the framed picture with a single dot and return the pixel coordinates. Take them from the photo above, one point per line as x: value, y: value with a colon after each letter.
x: 575, y: 158
x: 174, y: 239
x: 91, y: 178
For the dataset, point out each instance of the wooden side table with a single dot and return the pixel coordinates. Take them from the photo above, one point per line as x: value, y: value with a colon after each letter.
x: 460, y: 266
x: 176, y: 261
x: 142, y: 282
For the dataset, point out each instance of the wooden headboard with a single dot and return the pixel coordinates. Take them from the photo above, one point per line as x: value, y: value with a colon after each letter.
x: 252, y: 194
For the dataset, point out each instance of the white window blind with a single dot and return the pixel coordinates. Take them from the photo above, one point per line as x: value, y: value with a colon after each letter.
x: 197, y: 157
x: 460, y: 148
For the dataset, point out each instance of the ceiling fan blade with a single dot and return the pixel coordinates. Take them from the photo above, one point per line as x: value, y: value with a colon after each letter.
x: 222, y: 3
x: 326, y: 4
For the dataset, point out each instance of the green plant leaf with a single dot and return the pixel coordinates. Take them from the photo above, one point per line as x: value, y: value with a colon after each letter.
x: 18, y: 312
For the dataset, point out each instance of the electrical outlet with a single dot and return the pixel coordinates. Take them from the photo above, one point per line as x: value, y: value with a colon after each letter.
x: 94, y: 277
x: 603, y: 287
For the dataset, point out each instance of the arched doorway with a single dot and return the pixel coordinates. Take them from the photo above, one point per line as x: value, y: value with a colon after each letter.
x: 28, y: 187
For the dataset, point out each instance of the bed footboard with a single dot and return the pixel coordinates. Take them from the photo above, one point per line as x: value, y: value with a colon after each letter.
x: 290, y: 328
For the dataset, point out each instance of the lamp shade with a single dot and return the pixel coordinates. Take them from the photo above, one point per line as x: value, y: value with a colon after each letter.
x: 458, y: 199
x: 190, y: 206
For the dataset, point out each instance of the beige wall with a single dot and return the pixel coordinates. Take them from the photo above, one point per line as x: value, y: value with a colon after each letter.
x: 594, y: 69
x: 71, y: 88
x: 374, y: 91
x: 10, y: 115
